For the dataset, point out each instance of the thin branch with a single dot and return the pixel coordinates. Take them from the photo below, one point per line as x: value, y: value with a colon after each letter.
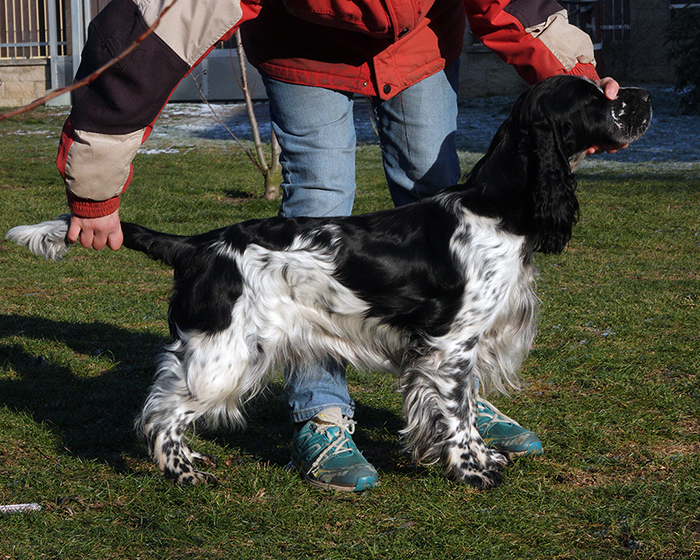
x: 217, y: 119
x: 249, y: 102
x: 92, y: 77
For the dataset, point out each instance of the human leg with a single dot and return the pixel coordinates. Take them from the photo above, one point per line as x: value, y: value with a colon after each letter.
x: 417, y: 129
x: 317, y: 136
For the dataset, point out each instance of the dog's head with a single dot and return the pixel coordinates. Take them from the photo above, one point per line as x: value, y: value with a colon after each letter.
x: 575, y: 114
x: 527, y: 177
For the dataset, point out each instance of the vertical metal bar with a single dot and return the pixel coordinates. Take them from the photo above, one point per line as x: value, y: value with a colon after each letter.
x: 61, y: 25
x: 53, y: 43
x: 87, y: 17
x: 23, y: 24
x: 34, y: 29
x: 5, y: 35
x: 76, y: 31
x: 11, y: 31
x: 18, y: 27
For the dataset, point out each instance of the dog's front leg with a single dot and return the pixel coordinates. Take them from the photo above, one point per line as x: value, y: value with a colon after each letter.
x: 439, y: 405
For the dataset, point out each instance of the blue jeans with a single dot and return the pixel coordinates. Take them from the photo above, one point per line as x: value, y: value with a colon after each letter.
x: 316, y: 132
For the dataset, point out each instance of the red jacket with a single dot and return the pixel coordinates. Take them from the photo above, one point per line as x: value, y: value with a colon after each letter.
x: 375, y: 49
x: 371, y: 47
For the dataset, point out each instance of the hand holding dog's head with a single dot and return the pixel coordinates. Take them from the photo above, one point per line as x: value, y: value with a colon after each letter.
x: 581, y: 115
x: 548, y: 133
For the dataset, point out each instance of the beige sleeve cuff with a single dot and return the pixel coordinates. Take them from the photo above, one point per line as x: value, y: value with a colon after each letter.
x: 98, y: 165
x: 569, y: 44
x: 191, y: 27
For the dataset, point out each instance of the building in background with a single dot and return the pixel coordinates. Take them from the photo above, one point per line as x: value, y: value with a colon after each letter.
x: 629, y: 38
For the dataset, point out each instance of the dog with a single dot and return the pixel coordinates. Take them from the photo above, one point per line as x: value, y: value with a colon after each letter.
x: 439, y: 292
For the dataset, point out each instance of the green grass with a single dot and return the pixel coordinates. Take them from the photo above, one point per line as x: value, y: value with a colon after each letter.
x: 612, y: 389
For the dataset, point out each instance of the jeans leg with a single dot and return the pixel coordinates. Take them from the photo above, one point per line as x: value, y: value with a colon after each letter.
x: 317, y: 136
x: 417, y: 130
x: 315, y: 387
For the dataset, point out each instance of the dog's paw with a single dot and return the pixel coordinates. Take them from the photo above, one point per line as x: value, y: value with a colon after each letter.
x: 198, y: 458
x: 182, y: 473
x: 481, y: 470
x: 180, y: 466
x: 485, y: 479
x: 201, y: 477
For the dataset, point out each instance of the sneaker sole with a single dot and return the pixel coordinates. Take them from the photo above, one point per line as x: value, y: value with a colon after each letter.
x: 533, y: 450
x: 362, y: 484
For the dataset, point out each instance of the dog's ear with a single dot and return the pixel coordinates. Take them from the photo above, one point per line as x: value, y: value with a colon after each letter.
x: 553, y: 188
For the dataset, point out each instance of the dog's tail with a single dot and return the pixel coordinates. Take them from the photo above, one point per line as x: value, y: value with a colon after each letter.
x: 165, y: 247
x: 48, y: 239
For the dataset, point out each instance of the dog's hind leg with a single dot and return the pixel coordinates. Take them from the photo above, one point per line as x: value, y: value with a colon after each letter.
x: 440, y: 411
x: 167, y: 415
x: 194, y: 380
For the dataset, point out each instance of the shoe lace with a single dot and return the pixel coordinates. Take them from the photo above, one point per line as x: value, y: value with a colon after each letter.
x: 338, y: 444
x: 488, y: 415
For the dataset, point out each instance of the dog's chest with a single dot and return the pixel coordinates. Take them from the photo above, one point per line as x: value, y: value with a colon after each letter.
x: 498, y: 270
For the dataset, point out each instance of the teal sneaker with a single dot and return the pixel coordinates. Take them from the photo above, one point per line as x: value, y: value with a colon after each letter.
x: 505, y: 434
x: 326, y: 456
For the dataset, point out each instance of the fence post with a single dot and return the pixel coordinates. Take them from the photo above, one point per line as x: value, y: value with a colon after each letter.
x: 53, y: 44
x: 76, y: 32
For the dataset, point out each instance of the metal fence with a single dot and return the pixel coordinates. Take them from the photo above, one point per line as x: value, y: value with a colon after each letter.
x: 52, y: 30
x: 617, y: 26
x: 32, y: 28
x: 25, y: 28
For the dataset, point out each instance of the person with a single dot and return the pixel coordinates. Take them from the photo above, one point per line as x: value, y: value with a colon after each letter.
x: 314, y: 56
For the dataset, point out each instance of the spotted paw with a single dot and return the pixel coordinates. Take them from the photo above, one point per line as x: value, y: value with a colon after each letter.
x: 481, y: 470
x: 206, y: 459
x: 188, y: 475
x: 205, y: 478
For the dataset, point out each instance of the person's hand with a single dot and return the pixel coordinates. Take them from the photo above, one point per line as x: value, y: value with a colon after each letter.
x: 97, y: 233
x: 611, y: 89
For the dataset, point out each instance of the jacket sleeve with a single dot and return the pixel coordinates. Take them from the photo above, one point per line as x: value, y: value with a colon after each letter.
x: 114, y: 114
x: 533, y: 36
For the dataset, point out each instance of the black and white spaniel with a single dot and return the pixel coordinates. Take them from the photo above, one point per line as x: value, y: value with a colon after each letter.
x: 438, y: 292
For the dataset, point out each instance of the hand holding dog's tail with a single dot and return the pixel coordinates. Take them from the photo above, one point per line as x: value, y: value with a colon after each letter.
x: 98, y: 233
x: 47, y: 239
x: 50, y: 240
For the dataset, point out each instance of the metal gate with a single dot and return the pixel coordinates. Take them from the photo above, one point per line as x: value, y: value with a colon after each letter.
x: 48, y: 29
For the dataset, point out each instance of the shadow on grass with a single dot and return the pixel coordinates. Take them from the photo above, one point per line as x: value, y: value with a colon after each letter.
x: 92, y: 415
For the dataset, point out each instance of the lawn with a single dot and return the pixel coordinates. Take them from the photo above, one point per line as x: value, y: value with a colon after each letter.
x: 611, y: 388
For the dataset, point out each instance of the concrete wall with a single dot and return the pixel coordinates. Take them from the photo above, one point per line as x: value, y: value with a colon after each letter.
x: 483, y: 74
x: 22, y: 81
